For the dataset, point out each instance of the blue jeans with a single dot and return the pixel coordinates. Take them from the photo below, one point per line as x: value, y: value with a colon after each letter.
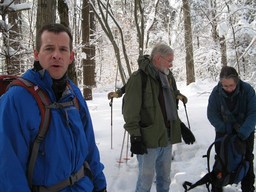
x: 157, y: 160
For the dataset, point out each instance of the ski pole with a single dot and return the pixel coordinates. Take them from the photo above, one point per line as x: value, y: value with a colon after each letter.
x: 186, y: 114
x: 111, y: 121
x: 127, y: 149
x: 121, y: 153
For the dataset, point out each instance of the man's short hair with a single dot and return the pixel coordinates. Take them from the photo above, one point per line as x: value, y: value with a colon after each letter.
x: 55, y: 28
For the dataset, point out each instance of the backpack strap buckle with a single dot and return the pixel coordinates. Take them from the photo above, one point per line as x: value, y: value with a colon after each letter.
x: 74, y: 178
x: 81, y: 173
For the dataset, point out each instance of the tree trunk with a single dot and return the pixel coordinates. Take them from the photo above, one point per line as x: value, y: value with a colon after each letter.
x: 46, y: 13
x: 139, y: 21
x: 213, y: 21
x: 12, y: 38
x: 15, y: 39
x: 188, y: 43
x: 223, y: 51
x: 63, y: 13
x: 88, y: 62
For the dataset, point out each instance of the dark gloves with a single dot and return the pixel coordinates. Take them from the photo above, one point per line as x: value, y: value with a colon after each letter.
x: 116, y: 94
x: 137, y: 146
x: 240, y: 145
x: 236, y: 130
x: 183, y: 98
x: 186, y: 134
x: 112, y: 95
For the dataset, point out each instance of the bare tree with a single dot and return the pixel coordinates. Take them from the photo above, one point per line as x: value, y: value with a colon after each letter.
x: 223, y: 50
x: 103, y: 19
x: 151, y: 24
x: 139, y: 12
x: 215, y: 34
x: 213, y: 20
x: 188, y: 43
x: 234, y: 38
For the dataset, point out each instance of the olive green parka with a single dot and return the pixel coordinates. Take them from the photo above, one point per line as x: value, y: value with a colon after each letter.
x: 143, y: 116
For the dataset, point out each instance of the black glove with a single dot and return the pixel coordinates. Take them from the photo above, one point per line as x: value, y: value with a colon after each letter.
x: 236, y: 128
x: 186, y: 134
x: 183, y: 98
x: 137, y: 146
x: 112, y: 95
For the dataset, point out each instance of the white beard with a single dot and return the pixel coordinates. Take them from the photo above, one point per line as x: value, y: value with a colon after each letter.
x: 166, y: 71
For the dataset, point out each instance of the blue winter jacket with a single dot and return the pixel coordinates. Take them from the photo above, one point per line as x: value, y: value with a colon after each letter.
x: 242, y: 118
x: 68, y: 143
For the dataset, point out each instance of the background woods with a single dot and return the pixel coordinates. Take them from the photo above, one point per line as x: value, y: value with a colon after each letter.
x: 113, y: 33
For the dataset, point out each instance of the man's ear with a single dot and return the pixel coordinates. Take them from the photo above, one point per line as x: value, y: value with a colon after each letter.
x: 71, y: 57
x: 36, y: 55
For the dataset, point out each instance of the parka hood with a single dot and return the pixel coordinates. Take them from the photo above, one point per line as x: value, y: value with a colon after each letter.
x: 144, y: 61
x: 145, y: 64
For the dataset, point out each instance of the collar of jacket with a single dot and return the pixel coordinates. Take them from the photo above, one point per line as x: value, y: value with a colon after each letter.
x: 59, y: 86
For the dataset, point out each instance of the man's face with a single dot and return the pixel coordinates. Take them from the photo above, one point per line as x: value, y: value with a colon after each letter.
x: 54, y: 55
x: 229, y: 84
x: 164, y: 63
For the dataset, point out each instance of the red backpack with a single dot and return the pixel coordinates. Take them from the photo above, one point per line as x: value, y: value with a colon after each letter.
x: 5, y: 80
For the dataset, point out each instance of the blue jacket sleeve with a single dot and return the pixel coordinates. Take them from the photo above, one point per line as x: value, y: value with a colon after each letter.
x: 214, y: 112
x: 14, y: 146
x: 250, y: 116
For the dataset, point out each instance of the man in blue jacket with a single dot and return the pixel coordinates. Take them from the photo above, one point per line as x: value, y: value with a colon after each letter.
x: 68, y: 150
x: 232, y: 109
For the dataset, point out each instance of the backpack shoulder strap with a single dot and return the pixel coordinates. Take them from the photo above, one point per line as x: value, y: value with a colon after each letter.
x: 144, y: 78
x: 42, y: 100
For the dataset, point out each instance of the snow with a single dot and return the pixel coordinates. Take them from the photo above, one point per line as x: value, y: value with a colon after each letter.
x: 15, y: 7
x: 188, y: 164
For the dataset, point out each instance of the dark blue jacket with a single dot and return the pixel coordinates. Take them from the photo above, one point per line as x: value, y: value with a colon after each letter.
x: 242, y: 117
x: 68, y: 143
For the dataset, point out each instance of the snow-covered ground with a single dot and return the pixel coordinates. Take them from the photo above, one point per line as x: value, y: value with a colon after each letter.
x: 188, y: 164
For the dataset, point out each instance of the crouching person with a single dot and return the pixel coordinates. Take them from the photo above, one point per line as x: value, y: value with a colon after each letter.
x: 232, y: 110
